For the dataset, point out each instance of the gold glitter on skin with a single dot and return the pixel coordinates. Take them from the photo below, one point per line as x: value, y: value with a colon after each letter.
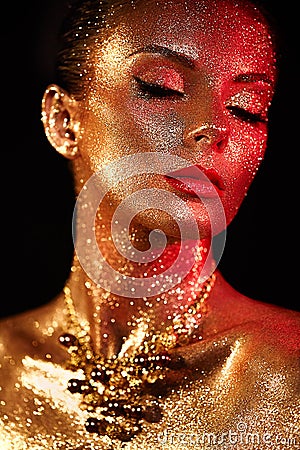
x: 240, y: 374
x: 150, y: 122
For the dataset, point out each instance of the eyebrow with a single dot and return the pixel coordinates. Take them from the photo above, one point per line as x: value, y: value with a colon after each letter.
x: 252, y: 77
x: 165, y: 51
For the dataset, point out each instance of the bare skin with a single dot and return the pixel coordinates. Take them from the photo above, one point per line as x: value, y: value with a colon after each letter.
x: 242, y: 366
x: 247, y: 365
x: 220, y: 124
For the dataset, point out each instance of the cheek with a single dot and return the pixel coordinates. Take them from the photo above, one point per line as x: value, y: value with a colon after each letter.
x: 107, y: 134
x: 125, y: 127
x: 251, y: 145
x: 159, y: 127
x: 92, y: 141
x: 241, y: 162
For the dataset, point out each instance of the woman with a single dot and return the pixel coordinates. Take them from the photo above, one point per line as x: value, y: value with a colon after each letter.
x: 162, y: 109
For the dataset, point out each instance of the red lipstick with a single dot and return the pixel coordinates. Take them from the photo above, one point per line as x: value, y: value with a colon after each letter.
x: 196, y: 181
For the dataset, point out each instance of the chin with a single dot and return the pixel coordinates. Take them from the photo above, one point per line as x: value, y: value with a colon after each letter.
x: 174, y: 228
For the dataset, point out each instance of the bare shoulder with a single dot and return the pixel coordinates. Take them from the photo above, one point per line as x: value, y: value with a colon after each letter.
x: 266, y: 322
x: 276, y: 326
x: 16, y: 335
x: 270, y: 338
x: 12, y: 332
x: 18, y: 328
x: 27, y: 332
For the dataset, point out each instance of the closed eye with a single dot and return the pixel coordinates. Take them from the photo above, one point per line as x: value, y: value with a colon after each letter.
x: 247, y: 116
x: 154, y: 90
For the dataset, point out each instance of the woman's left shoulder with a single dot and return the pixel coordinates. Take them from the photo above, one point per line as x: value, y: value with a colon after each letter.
x: 272, y: 347
x: 279, y: 326
x: 262, y: 322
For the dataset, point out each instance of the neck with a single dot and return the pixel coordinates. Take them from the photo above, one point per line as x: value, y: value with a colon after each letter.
x: 113, y: 317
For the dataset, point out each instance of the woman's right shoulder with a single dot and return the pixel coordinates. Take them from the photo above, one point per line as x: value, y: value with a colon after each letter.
x: 18, y: 331
x: 12, y: 335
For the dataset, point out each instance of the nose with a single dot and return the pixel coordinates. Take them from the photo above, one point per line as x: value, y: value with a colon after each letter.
x: 207, y: 136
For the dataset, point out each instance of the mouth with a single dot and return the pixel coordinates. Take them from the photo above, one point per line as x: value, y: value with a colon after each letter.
x: 196, y: 181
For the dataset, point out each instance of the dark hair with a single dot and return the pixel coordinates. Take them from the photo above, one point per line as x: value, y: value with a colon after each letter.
x: 84, y: 21
x: 91, y: 19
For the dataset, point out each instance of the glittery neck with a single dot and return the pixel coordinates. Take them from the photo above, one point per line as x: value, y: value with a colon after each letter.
x: 118, y: 390
x: 111, y: 318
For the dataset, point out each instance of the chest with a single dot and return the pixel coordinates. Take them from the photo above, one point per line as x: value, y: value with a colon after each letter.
x: 223, y: 407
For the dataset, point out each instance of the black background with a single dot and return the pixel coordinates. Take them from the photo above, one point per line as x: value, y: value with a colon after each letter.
x: 261, y: 253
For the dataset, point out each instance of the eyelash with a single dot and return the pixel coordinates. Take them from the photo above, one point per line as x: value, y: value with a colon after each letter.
x: 245, y: 115
x: 152, y: 90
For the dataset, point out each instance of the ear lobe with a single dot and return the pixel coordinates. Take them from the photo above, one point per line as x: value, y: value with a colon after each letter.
x: 59, y: 117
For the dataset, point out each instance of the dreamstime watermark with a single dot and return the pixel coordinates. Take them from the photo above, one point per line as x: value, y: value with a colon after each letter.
x: 84, y: 219
x: 227, y: 439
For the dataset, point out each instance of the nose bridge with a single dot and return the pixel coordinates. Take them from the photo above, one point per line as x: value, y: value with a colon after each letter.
x: 209, y: 127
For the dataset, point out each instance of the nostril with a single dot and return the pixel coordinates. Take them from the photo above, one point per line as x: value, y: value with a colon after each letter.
x: 200, y: 137
x: 209, y: 136
x: 221, y: 144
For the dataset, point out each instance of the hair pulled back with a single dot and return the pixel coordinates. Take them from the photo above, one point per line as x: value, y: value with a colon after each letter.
x: 91, y: 21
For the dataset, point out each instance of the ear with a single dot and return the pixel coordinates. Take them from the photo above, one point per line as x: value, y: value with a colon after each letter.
x: 59, y: 117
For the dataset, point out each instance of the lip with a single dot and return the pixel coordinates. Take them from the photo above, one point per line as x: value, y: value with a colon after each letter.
x: 196, y: 181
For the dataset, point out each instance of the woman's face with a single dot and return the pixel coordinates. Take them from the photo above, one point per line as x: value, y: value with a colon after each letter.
x: 192, y: 79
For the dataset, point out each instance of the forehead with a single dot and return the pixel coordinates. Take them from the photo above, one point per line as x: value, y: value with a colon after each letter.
x: 227, y: 34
